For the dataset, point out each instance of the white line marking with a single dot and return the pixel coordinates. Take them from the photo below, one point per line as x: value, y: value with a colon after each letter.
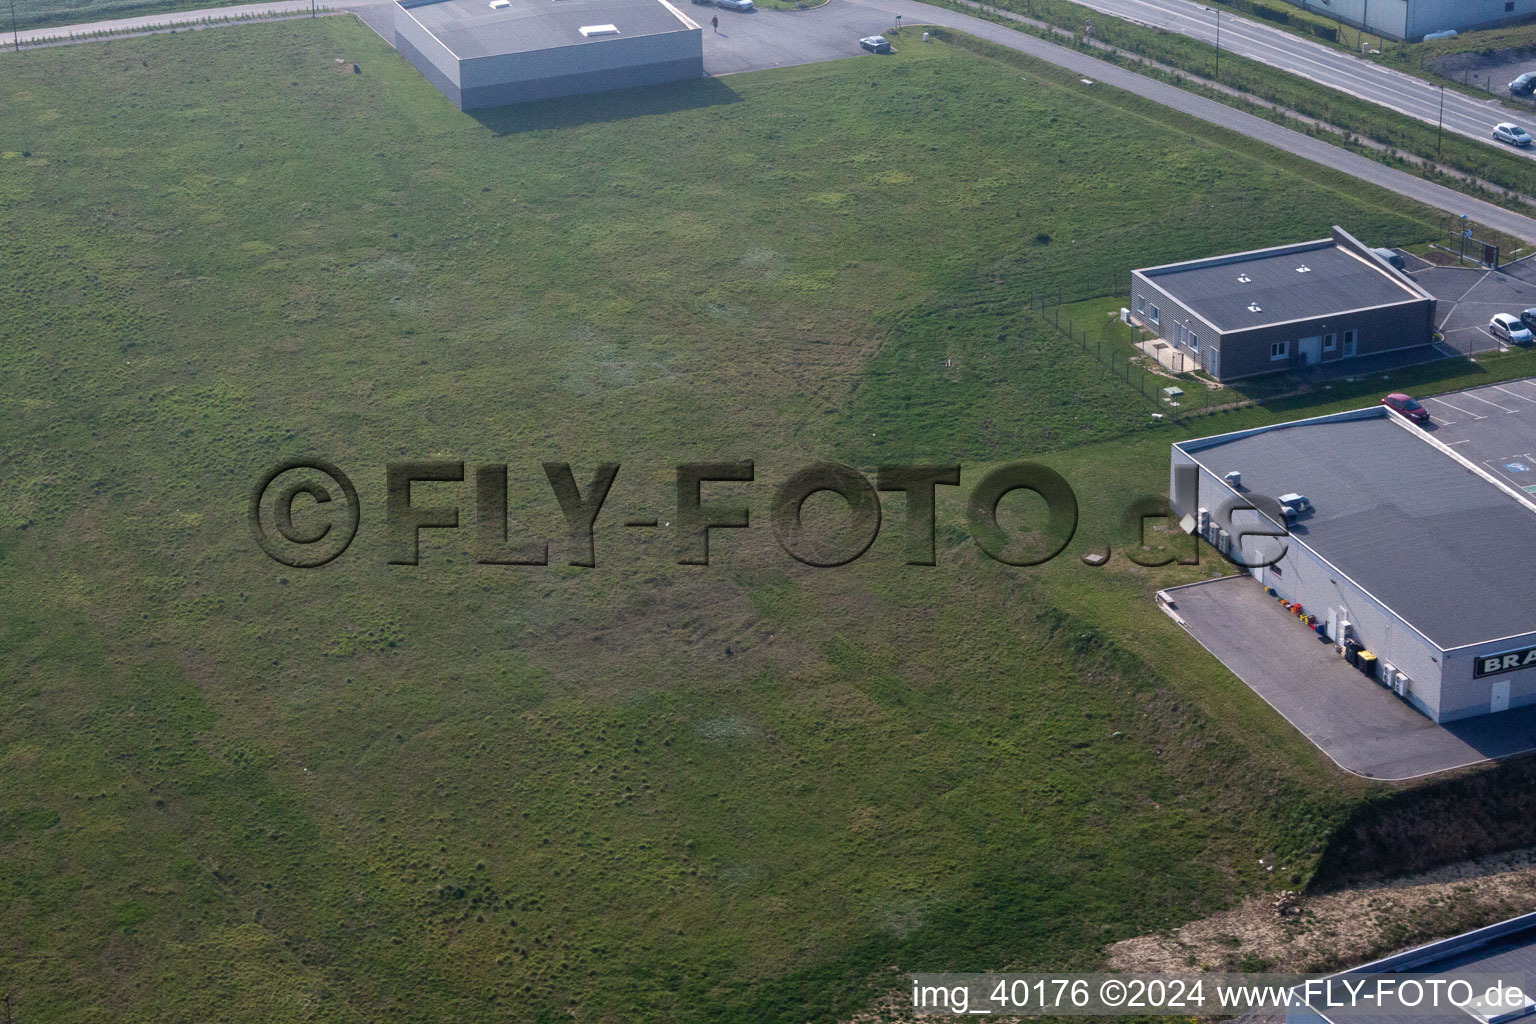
x: 1500, y: 471
x: 1511, y: 394
x: 1457, y: 300
x: 1496, y: 405
x: 1464, y: 412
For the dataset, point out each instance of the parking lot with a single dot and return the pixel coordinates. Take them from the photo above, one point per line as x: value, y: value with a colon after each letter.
x: 1360, y: 725
x: 1468, y: 297
x: 1493, y: 427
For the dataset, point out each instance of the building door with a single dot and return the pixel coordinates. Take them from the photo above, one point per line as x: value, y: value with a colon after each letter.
x: 1499, y: 701
x: 1311, y: 350
x: 1213, y: 362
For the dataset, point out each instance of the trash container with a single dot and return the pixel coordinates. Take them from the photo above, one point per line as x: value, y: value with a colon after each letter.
x: 1368, y: 663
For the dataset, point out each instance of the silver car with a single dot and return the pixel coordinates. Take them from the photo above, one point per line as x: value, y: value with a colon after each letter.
x: 1509, y: 328
x: 1512, y: 134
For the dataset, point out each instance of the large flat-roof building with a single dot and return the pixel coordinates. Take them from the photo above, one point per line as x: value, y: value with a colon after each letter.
x: 1422, y: 557
x: 1284, y: 308
x: 489, y: 53
x: 1414, y: 19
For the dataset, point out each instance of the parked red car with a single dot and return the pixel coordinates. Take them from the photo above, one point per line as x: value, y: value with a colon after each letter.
x: 1406, y: 405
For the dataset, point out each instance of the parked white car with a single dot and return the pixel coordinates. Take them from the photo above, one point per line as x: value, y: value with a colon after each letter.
x: 1512, y: 134
x: 1509, y: 328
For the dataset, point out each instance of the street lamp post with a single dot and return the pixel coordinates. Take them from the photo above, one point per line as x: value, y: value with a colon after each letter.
x: 15, y: 33
x: 1218, y: 41
x: 1439, y: 132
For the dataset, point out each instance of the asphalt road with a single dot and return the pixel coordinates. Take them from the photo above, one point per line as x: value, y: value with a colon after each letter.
x: 1415, y: 97
x: 767, y: 39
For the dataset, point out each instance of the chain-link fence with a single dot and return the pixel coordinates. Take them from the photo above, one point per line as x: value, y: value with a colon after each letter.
x: 1112, y: 343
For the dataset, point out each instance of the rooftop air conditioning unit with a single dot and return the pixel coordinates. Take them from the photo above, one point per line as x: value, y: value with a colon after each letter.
x: 1234, y: 479
x: 1294, y: 504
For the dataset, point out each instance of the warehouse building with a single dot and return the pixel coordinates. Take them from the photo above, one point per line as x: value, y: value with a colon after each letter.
x: 1395, y: 544
x: 1283, y: 309
x: 1414, y: 19
x: 489, y: 53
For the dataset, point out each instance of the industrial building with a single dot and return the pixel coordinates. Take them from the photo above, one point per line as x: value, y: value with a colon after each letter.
x: 1392, y: 541
x: 1414, y: 19
x: 1284, y: 308
x: 1505, y: 952
x: 489, y: 53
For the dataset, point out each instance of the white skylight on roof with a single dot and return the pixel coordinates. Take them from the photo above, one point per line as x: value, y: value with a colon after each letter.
x: 1244, y: 279
x: 1253, y: 307
x: 599, y: 30
x: 1303, y: 269
x: 497, y: 5
x: 1511, y: 1005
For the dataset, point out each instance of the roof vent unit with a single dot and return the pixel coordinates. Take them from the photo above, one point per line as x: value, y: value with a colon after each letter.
x: 1294, y: 505
x: 1244, y: 279
x: 1234, y: 480
x: 1303, y: 269
x: 1501, y: 1010
x: 1254, y: 307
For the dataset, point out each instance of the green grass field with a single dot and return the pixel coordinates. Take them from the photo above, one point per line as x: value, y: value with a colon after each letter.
x: 641, y: 792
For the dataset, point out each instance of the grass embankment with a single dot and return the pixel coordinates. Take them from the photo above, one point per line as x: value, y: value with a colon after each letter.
x: 231, y: 790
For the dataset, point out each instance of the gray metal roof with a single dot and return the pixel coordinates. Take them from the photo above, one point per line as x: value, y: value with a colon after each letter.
x: 1336, y: 281
x: 472, y: 28
x: 1443, y: 547
x: 1506, y: 950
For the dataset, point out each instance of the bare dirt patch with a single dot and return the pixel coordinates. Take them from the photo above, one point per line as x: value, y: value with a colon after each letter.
x: 1345, y: 927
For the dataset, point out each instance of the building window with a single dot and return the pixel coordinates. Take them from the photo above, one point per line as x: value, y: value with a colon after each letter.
x: 1279, y: 350
x: 1328, y: 342
x: 1509, y: 7
x: 1152, y: 313
x: 1141, y: 304
x: 1349, y: 343
x: 1194, y: 341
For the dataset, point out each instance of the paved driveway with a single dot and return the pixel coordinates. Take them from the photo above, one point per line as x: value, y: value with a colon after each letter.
x: 1359, y: 724
x: 776, y: 39
x: 1467, y: 298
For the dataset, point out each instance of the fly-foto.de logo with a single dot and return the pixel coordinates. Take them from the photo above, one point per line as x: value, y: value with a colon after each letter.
x: 306, y: 512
